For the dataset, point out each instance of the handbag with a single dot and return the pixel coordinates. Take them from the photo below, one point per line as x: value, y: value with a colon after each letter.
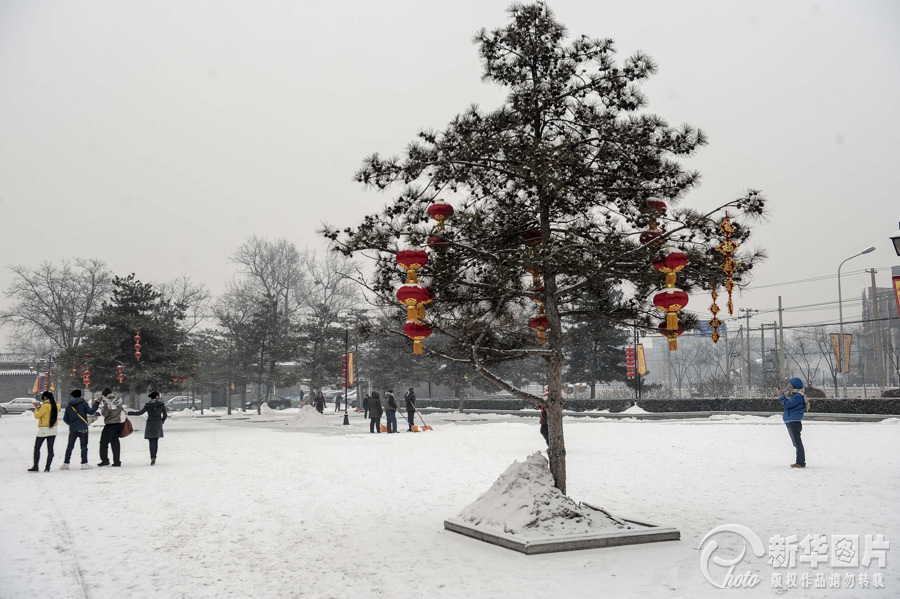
x: 126, y: 429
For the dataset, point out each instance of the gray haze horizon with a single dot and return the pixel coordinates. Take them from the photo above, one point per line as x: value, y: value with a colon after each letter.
x: 159, y: 136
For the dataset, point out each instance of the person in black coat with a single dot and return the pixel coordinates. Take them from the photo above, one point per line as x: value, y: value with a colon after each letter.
x: 366, y: 406
x: 410, y: 398
x: 320, y: 403
x: 375, y: 411
x: 156, y: 415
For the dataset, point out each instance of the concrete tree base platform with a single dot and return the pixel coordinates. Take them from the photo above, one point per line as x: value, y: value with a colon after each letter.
x: 647, y: 533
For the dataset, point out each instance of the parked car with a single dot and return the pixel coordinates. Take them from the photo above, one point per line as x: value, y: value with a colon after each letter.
x: 18, y: 405
x: 276, y: 402
x: 183, y: 402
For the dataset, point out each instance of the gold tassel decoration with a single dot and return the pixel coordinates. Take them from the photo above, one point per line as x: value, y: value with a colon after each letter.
x: 672, y: 321
x: 417, y: 347
x: 673, y: 344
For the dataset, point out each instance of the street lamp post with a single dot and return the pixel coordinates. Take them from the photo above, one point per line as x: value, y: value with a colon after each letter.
x: 841, y: 319
x: 895, y: 239
x: 347, y: 376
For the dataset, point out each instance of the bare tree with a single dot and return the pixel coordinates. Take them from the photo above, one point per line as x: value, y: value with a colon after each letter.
x: 276, y: 269
x: 193, y: 297
x: 51, y: 304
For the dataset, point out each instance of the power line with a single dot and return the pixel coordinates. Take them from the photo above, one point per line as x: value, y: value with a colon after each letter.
x: 814, y: 279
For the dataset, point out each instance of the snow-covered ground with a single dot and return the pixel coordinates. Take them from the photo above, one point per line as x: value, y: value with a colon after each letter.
x: 295, y: 505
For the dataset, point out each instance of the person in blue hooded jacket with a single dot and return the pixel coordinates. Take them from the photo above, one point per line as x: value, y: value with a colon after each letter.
x: 76, y: 416
x: 795, y: 406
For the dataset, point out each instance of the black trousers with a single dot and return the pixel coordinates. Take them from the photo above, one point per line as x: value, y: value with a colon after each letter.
x: 83, y: 435
x: 154, y: 445
x: 110, y: 436
x: 38, y: 441
x: 366, y: 413
x: 374, y: 425
x: 545, y: 431
x: 794, y: 429
x: 410, y: 415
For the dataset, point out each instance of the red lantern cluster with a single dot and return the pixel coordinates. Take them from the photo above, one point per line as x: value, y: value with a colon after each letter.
x: 120, y: 373
x: 343, y: 370
x: 86, y: 373
x: 630, y: 362
x: 137, y: 344
x: 670, y: 262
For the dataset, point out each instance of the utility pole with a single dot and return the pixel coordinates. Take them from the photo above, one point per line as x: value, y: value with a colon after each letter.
x: 727, y: 361
x: 877, y: 342
x: 743, y: 364
x: 781, y: 372
x: 749, y: 378
x: 762, y: 347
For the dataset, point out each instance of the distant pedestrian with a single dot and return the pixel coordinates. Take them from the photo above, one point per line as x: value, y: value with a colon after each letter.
x: 76, y: 416
x: 337, y: 403
x: 795, y: 406
x: 390, y: 411
x: 320, y: 403
x: 46, y: 415
x: 410, y: 399
x: 113, y: 412
x: 156, y: 416
x: 375, y: 411
x: 545, y: 430
x: 366, y: 406
x: 301, y: 397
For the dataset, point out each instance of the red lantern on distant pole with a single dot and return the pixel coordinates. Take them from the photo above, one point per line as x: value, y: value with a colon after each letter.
x: 630, y: 362
x: 670, y: 301
x: 120, y: 373
x: 137, y: 344
x: 86, y: 373
x: 417, y: 331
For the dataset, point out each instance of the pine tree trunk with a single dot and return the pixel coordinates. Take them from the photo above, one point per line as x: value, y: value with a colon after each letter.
x: 554, y: 412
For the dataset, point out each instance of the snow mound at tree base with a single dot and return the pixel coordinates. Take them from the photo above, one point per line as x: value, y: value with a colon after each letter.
x: 524, y: 502
x: 308, y: 417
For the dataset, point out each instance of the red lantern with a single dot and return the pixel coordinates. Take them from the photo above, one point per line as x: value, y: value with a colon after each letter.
x: 648, y: 236
x: 412, y: 296
x: 539, y: 324
x: 670, y: 262
x: 440, y: 211
x: 532, y: 238
x: 671, y: 335
x: 417, y: 331
x: 120, y: 374
x: 412, y: 260
x: 440, y: 242
x: 671, y: 301
x: 657, y: 206
x: 137, y: 344
x: 538, y: 300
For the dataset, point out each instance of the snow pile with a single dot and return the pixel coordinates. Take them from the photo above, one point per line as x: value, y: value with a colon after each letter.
x: 634, y: 410
x: 308, y: 417
x: 524, y: 502
x: 185, y: 413
x: 891, y: 421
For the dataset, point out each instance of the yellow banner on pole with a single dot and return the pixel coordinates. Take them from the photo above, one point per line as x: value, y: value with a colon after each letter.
x: 641, y: 360
x: 848, y: 338
x: 37, y: 384
x: 350, y: 369
x: 836, y: 348
x: 896, y: 281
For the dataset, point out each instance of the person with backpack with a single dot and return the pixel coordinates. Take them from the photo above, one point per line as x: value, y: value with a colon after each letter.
x: 410, y: 399
x: 795, y: 407
x: 390, y: 411
x: 375, y: 413
x: 156, y: 416
x: 46, y: 415
x: 113, y: 413
x: 76, y: 416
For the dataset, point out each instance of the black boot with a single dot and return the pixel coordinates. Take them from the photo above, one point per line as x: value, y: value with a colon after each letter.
x: 34, y: 469
x: 49, y: 461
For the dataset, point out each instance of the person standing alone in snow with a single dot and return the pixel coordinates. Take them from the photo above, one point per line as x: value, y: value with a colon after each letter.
x: 153, y: 430
x: 113, y: 413
x: 795, y: 406
x: 46, y: 415
x: 320, y: 403
x: 76, y: 417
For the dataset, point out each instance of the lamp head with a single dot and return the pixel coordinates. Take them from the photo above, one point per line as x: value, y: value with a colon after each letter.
x: 895, y: 239
x: 871, y: 248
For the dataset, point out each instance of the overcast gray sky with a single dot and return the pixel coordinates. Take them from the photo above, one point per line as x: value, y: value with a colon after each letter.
x: 159, y: 135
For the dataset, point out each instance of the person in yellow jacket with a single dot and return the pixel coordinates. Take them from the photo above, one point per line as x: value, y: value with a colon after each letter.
x: 46, y: 414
